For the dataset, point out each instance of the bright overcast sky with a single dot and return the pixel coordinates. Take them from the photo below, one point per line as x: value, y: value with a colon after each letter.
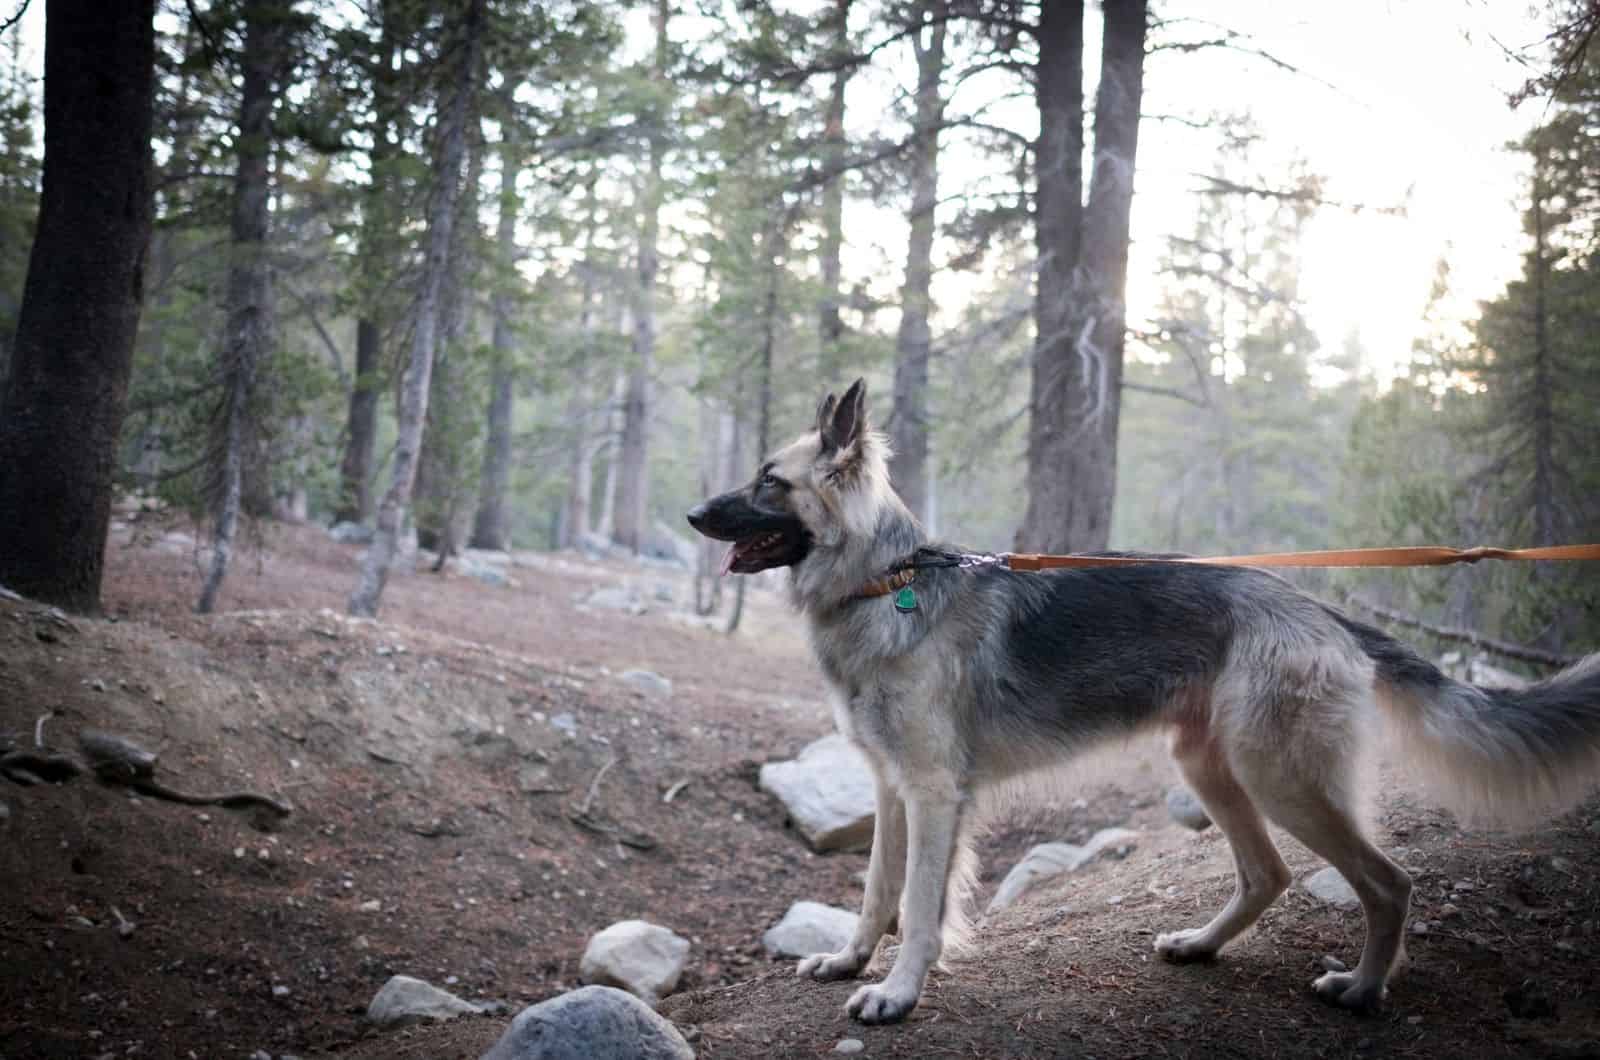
x: 1403, y: 102
x: 1416, y: 115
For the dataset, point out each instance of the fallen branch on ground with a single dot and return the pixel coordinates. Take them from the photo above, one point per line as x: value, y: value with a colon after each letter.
x: 1507, y: 649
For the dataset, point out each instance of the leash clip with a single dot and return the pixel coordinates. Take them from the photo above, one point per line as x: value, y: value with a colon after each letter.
x: 971, y: 560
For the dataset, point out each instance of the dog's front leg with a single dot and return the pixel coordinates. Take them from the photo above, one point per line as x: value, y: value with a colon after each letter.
x: 885, y: 873
x: 932, y: 822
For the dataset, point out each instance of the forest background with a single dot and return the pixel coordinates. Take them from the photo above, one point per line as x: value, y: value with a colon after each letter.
x: 1208, y: 278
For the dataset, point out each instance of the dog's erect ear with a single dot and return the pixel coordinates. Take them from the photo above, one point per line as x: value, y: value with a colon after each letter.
x: 849, y: 419
x: 825, y: 416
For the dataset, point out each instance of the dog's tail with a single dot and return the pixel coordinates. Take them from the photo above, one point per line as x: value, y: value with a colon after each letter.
x: 1500, y: 755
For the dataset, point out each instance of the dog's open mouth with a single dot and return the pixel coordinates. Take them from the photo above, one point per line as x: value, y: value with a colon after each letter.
x: 759, y: 552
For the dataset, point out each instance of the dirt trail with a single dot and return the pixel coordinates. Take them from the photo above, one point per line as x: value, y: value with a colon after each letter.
x: 434, y: 759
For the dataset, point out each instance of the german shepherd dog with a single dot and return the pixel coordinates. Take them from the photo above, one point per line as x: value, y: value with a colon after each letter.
x: 981, y: 676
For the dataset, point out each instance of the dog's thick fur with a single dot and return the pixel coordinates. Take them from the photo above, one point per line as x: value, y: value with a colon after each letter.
x: 1268, y: 696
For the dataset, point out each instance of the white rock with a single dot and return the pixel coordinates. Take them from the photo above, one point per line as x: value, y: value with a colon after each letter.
x: 828, y: 793
x: 616, y: 598
x: 648, y: 682
x: 642, y: 958
x: 351, y: 533
x: 849, y: 1046
x: 1330, y: 887
x: 587, y: 1024
x: 1053, y: 859
x: 810, y: 927
x: 404, y: 1000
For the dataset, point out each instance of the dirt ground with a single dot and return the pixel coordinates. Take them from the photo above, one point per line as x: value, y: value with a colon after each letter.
x: 435, y: 759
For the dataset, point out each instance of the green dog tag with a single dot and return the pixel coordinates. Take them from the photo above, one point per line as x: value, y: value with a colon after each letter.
x: 905, y: 601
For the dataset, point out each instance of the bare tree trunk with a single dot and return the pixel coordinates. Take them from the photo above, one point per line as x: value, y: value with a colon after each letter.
x: 443, y: 478
x: 908, y: 435
x: 419, y: 368
x: 361, y: 425
x: 66, y: 388
x: 613, y: 450
x: 1080, y: 310
x: 248, y: 337
x: 830, y: 322
x: 775, y: 241
x: 489, y: 526
x: 633, y: 495
x: 1544, y: 507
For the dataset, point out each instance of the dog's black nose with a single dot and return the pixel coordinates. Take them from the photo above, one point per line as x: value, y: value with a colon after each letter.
x: 697, y: 516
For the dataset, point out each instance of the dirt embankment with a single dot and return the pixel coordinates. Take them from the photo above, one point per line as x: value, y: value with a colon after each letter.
x: 436, y: 761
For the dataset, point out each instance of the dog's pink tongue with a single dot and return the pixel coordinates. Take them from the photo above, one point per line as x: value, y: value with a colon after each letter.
x: 733, y: 554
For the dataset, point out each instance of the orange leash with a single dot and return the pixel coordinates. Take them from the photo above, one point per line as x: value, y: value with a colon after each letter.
x: 1418, y: 556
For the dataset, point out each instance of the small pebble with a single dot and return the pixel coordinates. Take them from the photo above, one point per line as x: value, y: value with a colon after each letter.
x: 280, y: 990
x: 1333, y: 964
x: 1447, y: 911
x: 1419, y: 928
x: 849, y: 1046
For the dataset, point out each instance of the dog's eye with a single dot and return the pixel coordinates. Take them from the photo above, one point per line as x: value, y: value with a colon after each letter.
x: 770, y: 481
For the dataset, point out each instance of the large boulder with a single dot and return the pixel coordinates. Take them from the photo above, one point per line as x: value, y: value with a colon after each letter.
x: 810, y: 927
x: 1053, y: 859
x: 642, y: 958
x: 828, y: 793
x: 592, y: 1023
x: 407, y: 1000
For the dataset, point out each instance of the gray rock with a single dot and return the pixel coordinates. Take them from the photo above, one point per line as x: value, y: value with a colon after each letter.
x: 828, y: 793
x: 642, y: 958
x: 1053, y: 859
x: 663, y: 542
x: 648, y: 681
x: 593, y: 1023
x: 616, y: 598
x: 1185, y: 808
x: 565, y: 723
x: 849, y: 1046
x: 489, y: 567
x: 406, y: 1000
x: 810, y: 927
x: 351, y: 533
x: 1328, y: 886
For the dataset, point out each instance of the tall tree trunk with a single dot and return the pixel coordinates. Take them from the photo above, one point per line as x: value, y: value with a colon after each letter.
x: 633, y: 487
x: 1080, y: 311
x: 66, y: 390
x: 452, y: 431
x: 247, y: 338
x: 361, y: 423
x: 1543, y: 403
x: 613, y: 450
x: 580, y: 485
x: 442, y: 200
x: 776, y: 240
x: 908, y: 435
x: 830, y: 322
x: 489, y: 526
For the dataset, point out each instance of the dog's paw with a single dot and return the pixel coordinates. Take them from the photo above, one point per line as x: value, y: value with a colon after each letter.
x: 880, y: 1003
x: 1342, y: 989
x: 826, y: 967
x: 1181, y: 947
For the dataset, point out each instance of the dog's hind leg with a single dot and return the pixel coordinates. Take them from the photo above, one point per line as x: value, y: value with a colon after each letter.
x: 1312, y: 800
x: 1260, y: 871
x: 886, y: 870
x: 933, y: 820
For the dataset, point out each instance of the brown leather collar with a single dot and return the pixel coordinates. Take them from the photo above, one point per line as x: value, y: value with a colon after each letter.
x: 889, y: 583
